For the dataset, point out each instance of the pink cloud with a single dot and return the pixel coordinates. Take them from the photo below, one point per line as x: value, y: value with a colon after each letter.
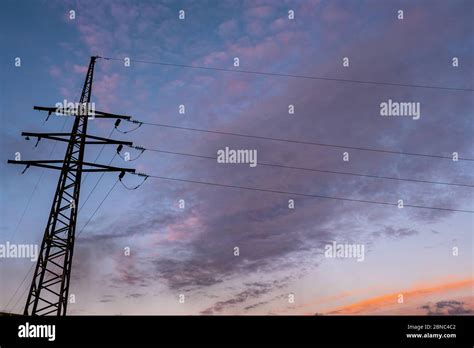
x: 255, y: 28
x: 236, y: 87
x: 218, y: 57
x: 55, y: 71
x: 65, y: 91
x: 105, y: 90
x: 334, y: 14
x: 260, y: 11
x: 182, y: 230
x: 258, y: 53
x: 227, y: 28
x: 287, y: 38
x: 279, y: 24
x: 307, y: 7
x: 79, y: 69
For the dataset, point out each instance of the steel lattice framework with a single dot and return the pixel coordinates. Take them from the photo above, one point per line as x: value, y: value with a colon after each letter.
x: 50, y: 285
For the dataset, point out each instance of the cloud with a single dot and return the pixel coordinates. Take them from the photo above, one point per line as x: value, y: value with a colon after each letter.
x: 80, y: 69
x: 447, y: 308
x: 228, y: 28
x: 253, y: 291
x: 55, y: 71
x: 135, y: 295
x: 260, y: 11
x: 394, y: 232
x: 388, y: 303
x: 106, y: 90
x: 193, y: 249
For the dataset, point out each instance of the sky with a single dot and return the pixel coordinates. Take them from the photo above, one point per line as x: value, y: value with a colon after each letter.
x: 190, y: 251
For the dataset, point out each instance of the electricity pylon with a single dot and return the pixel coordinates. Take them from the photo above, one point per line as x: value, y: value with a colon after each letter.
x: 50, y: 285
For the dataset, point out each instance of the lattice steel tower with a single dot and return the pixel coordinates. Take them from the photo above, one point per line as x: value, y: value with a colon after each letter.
x: 50, y: 285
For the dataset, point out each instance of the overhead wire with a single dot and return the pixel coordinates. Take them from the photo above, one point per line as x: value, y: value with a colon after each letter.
x: 355, y: 200
x: 275, y: 165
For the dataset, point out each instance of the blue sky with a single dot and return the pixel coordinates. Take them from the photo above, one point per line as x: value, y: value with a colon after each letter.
x: 190, y: 251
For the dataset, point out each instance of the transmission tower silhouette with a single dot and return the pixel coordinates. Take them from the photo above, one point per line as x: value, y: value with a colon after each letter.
x: 49, y: 289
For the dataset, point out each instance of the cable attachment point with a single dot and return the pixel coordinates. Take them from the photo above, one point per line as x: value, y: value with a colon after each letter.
x: 127, y: 155
x: 133, y: 188
x: 117, y: 122
x: 119, y: 148
x: 37, y: 141
x: 130, y: 130
x: 139, y: 148
x: 122, y: 174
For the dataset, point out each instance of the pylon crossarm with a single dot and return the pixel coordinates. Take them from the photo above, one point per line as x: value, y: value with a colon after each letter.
x: 104, y: 168
x: 61, y: 112
x: 32, y: 163
x: 102, y: 114
x: 94, y: 166
x: 65, y: 137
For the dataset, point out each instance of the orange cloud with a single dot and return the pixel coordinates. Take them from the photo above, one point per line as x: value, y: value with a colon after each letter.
x: 387, y: 304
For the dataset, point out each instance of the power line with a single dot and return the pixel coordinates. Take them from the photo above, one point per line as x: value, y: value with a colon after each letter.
x: 306, y: 195
x: 98, y: 155
x: 296, y: 76
x: 303, y: 142
x: 18, y: 288
x: 27, y: 205
x: 90, y: 193
x: 97, y: 183
x: 318, y: 170
x: 98, y: 207
x: 21, y: 296
x: 32, y: 266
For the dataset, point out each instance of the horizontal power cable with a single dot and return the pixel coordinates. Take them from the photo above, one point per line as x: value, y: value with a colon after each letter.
x: 302, y: 142
x: 315, y: 170
x: 322, y: 78
x: 303, y: 194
